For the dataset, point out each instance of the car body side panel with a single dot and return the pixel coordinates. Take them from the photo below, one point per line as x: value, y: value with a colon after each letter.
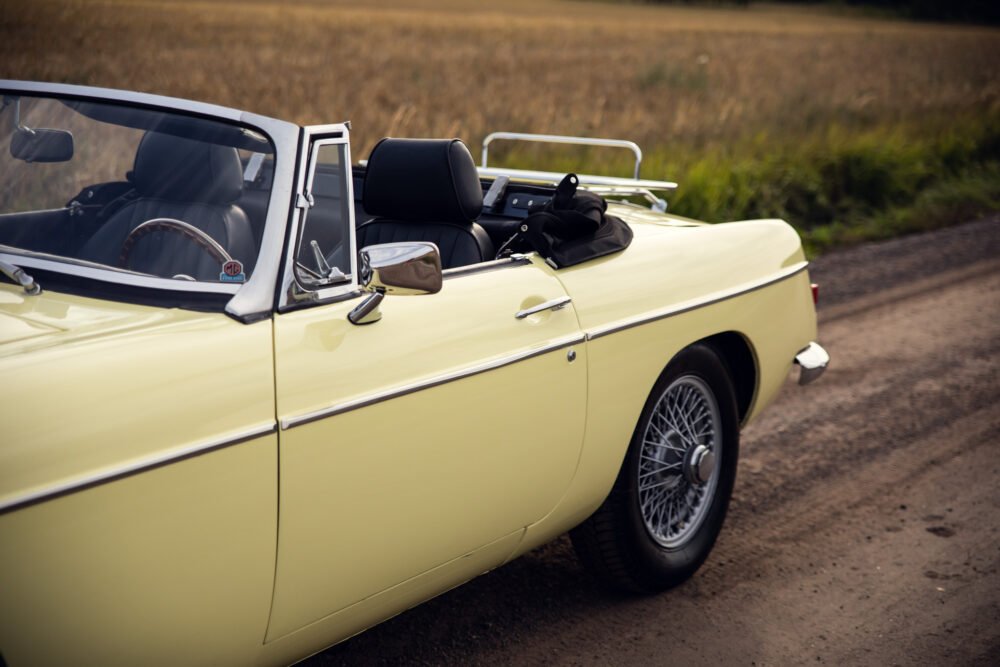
x: 377, y: 495
x: 173, y: 566
x: 377, y: 608
x: 668, y: 266
x: 138, y: 482
x: 101, y: 385
x: 777, y: 320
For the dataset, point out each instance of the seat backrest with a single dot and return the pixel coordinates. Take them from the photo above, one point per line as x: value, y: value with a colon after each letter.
x: 425, y: 190
x: 187, y: 180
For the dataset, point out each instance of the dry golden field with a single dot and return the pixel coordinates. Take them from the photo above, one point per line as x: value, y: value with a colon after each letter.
x: 851, y: 128
x: 658, y: 75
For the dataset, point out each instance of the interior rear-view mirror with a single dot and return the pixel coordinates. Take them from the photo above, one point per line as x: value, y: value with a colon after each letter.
x: 41, y: 145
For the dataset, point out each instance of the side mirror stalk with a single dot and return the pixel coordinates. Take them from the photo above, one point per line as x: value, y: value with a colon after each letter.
x: 367, y: 312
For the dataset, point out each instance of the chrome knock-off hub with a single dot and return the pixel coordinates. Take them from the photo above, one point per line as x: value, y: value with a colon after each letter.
x: 699, y: 464
x: 679, y: 461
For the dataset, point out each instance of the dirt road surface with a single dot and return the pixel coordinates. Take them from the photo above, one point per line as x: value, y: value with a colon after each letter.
x: 865, y: 526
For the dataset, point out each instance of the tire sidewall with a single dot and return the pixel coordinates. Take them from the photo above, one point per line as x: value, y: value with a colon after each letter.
x: 658, y: 566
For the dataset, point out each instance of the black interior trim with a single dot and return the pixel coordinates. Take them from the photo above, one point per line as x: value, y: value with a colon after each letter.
x: 64, y: 283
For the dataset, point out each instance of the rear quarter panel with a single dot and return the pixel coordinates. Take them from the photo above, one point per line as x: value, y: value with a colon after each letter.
x: 692, y: 282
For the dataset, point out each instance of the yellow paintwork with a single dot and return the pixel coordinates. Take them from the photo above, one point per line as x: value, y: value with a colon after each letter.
x: 268, y: 550
x: 112, y: 383
x: 170, y: 567
x: 154, y: 566
x: 371, y: 611
x: 777, y: 321
x: 394, y: 489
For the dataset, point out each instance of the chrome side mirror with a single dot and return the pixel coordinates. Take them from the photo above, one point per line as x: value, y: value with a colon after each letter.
x: 395, y: 268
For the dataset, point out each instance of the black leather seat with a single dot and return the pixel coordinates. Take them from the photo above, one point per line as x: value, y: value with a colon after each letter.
x: 186, y: 180
x: 425, y: 190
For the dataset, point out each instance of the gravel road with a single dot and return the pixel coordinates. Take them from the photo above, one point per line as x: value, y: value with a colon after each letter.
x: 865, y: 526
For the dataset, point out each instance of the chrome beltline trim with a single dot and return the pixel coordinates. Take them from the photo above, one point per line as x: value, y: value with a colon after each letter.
x: 685, y: 307
x: 428, y: 383
x: 135, y: 467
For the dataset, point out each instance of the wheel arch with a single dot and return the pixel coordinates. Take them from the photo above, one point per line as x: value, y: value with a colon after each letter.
x: 741, y: 363
x: 603, y: 455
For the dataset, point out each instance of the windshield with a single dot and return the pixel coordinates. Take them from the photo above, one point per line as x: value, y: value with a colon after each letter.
x: 149, y: 192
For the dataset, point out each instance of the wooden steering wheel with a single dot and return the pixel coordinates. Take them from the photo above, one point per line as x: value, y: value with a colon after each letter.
x: 186, y: 230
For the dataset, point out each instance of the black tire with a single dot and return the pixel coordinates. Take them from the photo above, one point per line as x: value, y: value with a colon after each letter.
x: 617, y: 543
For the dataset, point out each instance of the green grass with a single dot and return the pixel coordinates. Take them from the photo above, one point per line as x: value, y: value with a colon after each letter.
x: 968, y: 195
x: 844, y: 188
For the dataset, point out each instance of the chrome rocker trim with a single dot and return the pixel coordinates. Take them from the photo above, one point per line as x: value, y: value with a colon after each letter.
x: 135, y: 467
x: 812, y: 361
x: 684, y: 307
x: 427, y: 383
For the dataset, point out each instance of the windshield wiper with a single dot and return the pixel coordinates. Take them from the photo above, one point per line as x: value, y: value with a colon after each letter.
x: 19, y: 277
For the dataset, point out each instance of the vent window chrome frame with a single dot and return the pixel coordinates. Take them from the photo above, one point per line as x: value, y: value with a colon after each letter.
x: 293, y: 294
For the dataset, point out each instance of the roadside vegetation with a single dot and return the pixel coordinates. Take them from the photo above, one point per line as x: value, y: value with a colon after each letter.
x: 850, y: 127
x: 842, y: 187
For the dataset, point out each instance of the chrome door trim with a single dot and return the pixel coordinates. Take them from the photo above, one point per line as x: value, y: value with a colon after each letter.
x: 552, y: 304
x: 687, y: 306
x: 135, y: 467
x: 429, y: 382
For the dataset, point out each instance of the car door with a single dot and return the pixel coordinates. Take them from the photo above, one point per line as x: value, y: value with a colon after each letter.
x: 411, y: 442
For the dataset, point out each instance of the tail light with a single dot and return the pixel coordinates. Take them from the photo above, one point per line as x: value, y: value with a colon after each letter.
x: 815, y: 291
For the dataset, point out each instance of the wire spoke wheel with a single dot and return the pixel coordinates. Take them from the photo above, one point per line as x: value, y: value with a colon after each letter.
x: 659, y: 522
x: 679, y: 461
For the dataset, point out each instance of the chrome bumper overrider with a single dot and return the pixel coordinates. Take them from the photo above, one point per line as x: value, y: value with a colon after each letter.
x: 812, y: 362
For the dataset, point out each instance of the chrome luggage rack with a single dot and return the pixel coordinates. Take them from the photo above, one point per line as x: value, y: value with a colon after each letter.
x: 604, y: 185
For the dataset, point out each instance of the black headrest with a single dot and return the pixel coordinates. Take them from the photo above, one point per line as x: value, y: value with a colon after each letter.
x: 423, y: 180
x: 169, y: 167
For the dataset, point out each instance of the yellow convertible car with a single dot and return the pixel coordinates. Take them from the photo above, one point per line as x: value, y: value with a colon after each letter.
x: 257, y: 398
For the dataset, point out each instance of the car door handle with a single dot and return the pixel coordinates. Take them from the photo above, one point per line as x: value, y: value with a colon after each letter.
x: 554, y: 304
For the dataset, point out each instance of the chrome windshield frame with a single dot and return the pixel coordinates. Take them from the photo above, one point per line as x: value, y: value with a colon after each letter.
x: 254, y: 298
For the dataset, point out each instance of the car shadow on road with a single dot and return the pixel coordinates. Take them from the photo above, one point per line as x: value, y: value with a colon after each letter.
x: 484, y: 617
